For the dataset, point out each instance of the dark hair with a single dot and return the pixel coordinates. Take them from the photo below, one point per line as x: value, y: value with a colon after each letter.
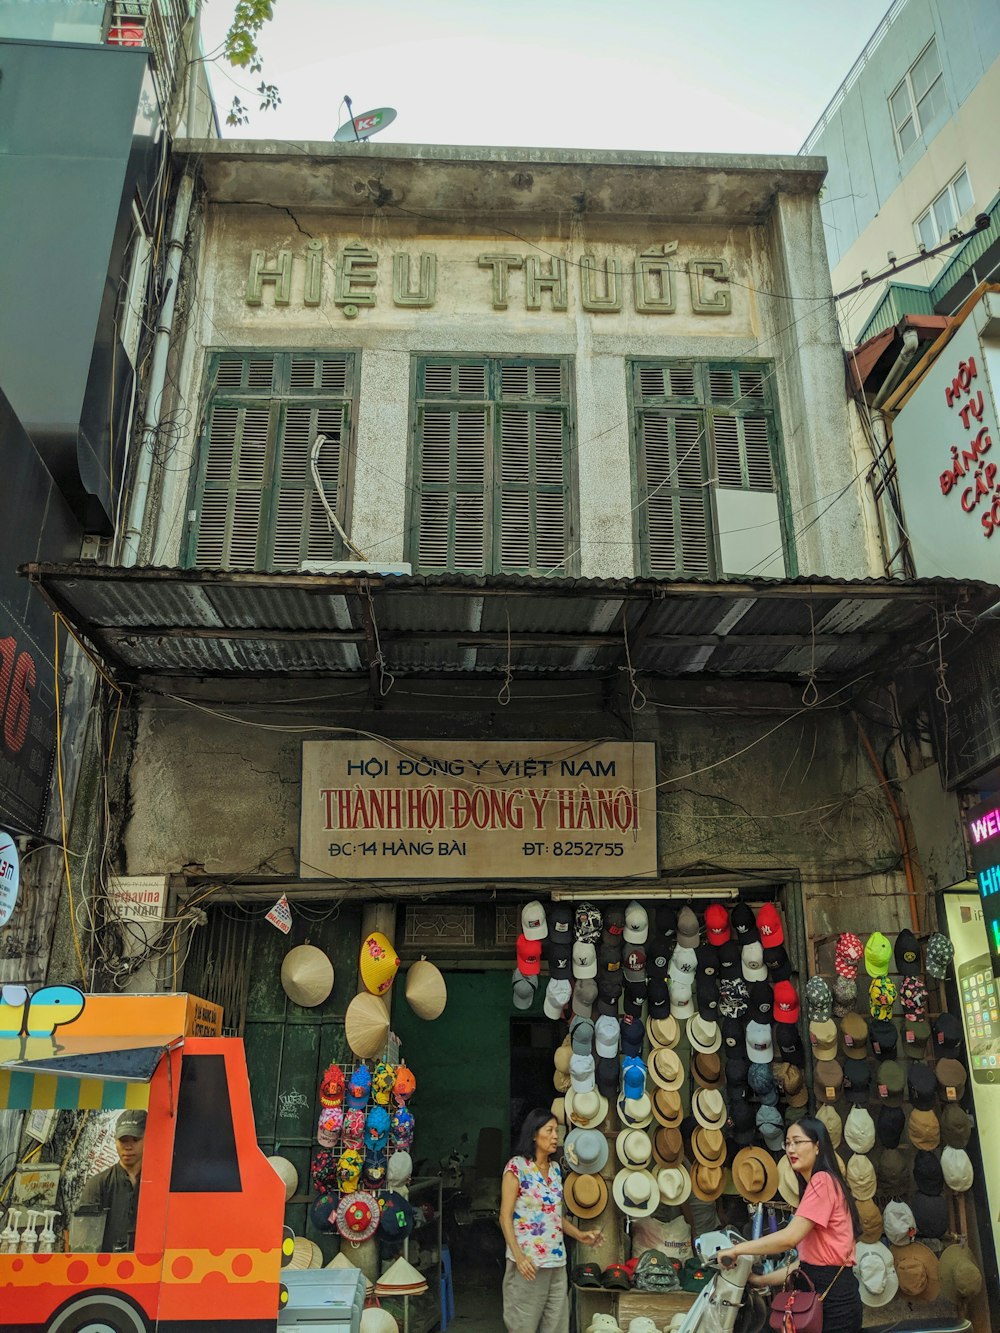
x: 817, y: 1133
x: 532, y: 1123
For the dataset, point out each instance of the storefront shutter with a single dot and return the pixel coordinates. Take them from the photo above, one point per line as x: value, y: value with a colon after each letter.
x: 256, y: 503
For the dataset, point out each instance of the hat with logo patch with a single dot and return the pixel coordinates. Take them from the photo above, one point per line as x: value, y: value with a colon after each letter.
x: 534, y: 926
x: 828, y: 1079
x: 777, y: 962
x: 890, y: 1079
x: 906, y: 952
x: 560, y: 921
x: 761, y: 1001
x: 916, y: 1033
x: 883, y: 1036
x: 730, y: 957
x: 854, y: 1033
x: 634, y: 963
x: 752, y: 962
x: 717, y: 928
x: 939, y: 953
x: 529, y: 956
x: 681, y: 998
x: 951, y: 1079
x: 889, y: 1126
x: 634, y: 996
x: 923, y: 1129
x: 769, y: 926
x: 636, y: 924
x: 658, y: 953
x: 789, y: 1042
x: 900, y: 1225
x: 878, y: 954
x: 786, y: 1003
x: 658, y: 997
x: 744, y: 924
x: 857, y: 1078
x: 819, y: 1000
x: 584, y: 961
x: 558, y: 955
x: 613, y: 926
x: 760, y: 1047
x: 849, y: 954
x: 707, y: 956
x: 823, y: 1039
x: 683, y: 964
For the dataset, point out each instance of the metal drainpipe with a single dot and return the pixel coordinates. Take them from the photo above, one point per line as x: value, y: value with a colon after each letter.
x: 158, y: 372
x: 909, y: 350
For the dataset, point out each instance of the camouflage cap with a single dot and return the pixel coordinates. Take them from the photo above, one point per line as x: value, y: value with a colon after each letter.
x: 939, y: 953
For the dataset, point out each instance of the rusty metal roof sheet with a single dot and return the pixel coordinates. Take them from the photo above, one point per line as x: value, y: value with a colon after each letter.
x: 213, y: 623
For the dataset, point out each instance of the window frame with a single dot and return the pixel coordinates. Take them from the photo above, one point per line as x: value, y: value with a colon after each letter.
x: 929, y: 213
x: 703, y: 404
x: 493, y: 403
x: 277, y: 401
x: 914, y: 115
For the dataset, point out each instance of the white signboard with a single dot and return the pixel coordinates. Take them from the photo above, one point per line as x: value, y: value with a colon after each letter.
x: 10, y: 878
x: 947, y: 465
x: 478, y: 809
x: 139, y: 902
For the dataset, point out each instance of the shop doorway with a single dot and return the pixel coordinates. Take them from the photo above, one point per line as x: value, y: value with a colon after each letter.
x: 532, y: 1040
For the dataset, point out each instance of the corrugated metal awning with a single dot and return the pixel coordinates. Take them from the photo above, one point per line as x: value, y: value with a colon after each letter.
x: 165, y: 623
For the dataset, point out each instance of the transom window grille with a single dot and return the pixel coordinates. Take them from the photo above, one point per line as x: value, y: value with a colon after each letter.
x: 493, y: 467
x: 698, y: 428
x: 256, y: 502
x: 918, y: 98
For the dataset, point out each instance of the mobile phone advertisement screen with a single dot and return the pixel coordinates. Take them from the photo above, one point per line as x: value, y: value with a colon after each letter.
x: 978, y: 992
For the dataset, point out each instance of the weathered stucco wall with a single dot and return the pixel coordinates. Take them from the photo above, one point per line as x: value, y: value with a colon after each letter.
x: 747, y: 781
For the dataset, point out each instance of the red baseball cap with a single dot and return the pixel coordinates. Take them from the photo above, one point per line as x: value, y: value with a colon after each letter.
x: 786, y: 1003
x: 717, y: 924
x: 769, y: 925
x: 529, y: 956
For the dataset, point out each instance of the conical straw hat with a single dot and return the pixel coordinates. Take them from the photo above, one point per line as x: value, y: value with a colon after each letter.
x: 366, y: 1025
x: 401, y: 1276
x: 317, y: 1258
x: 378, y: 1321
x: 340, y: 1260
x: 307, y: 975
x: 302, y: 1254
x: 287, y: 1172
x: 426, y: 992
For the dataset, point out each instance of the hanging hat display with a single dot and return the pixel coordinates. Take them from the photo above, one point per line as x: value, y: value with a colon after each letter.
x: 379, y: 963
x: 358, y: 1216
x: 287, y: 1172
x: 366, y: 1025
x: 426, y: 991
x: 306, y: 976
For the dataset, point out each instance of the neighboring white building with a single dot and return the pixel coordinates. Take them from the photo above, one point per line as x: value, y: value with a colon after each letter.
x: 913, y: 151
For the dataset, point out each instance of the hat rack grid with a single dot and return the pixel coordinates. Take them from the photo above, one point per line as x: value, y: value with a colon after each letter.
x: 652, y: 957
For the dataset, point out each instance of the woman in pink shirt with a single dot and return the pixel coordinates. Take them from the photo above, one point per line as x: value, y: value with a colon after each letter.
x: 823, y: 1230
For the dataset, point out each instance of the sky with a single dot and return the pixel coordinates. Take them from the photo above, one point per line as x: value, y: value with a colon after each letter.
x: 740, y: 76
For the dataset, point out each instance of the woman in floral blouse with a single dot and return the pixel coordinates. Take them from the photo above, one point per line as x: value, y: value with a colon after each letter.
x: 535, y: 1294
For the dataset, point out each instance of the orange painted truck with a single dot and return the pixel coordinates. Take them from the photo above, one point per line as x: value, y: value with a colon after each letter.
x: 209, y: 1225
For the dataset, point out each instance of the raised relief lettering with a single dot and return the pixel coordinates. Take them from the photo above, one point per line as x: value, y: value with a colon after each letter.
x: 313, y: 291
x: 280, y: 274
x: 501, y: 266
x: 610, y: 297
x: 653, y: 281
x: 357, y: 273
x: 706, y: 297
x: 426, y: 293
x: 538, y: 280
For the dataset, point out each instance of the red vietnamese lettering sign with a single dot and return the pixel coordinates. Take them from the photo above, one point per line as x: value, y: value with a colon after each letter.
x: 974, y: 481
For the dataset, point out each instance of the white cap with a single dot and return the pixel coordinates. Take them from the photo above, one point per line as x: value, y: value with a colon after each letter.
x: 584, y: 961
x: 760, y: 1048
x: 752, y: 958
x: 607, y: 1037
x: 636, y: 924
x: 581, y: 1073
x: 956, y: 1167
x: 399, y: 1170
x: 557, y: 996
x: 859, y: 1130
x: 533, y: 923
x: 681, y: 1000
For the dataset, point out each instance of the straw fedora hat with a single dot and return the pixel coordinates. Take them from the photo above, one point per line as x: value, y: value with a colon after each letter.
x: 674, y: 1184
x: 755, y: 1174
x: 634, y: 1148
x: 426, y: 992
x: 707, y: 1070
x: 663, y: 1031
x: 586, y: 1109
x: 585, y: 1196
x: 665, y: 1068
x: 668, y: 1146
x: 708, y: 1146
x: 703, y: 1034
x: 635, y: 1112
x: 366, y: 1026
x: 287, y: 1172
x: 709, y: 1108
x: 306, y: 975
x: 667, y: 1108
x: 707, y: 1182
x: 788, y: 1185
x: 635, y: 1192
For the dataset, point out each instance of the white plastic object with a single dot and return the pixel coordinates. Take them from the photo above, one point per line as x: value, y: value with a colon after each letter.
x: 47, y: 1240
x: 29, y: 1236
x: 11, y: 1234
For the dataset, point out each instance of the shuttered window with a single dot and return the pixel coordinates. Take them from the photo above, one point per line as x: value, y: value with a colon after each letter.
x: 493, y: 467
x: 256, y: 504
x: 698, y: 428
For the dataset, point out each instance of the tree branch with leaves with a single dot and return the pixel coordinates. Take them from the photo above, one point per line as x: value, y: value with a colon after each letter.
x: 242, y: 51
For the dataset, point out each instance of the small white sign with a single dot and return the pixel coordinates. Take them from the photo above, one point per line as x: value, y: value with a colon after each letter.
x: 10, y: 878
x: 139, y: 901
x: 280, y: 915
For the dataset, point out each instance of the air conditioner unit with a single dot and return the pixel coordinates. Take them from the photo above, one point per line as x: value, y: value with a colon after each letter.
x: 354, y: 567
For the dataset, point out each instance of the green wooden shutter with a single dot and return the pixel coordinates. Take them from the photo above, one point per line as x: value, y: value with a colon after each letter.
x: 743, y: 434
x: 676, y: 499
x: 453, y: 446
x: 257, y: 506
x: 532, y: 515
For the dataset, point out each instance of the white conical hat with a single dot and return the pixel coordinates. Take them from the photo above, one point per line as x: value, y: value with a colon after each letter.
x: 307, y: 975
x: 378, y: 1321
x: 426, y: 992
x: 287, y: 1172
x: 366, y: 1026
x: 401, y: 1276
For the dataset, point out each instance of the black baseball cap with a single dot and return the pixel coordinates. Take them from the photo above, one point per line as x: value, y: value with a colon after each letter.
x: 708, y: 960
x: 560, y: 920
x: 761, y: 1001
x: 789, y: 1042
x: 741, y: 1122
x: 947, y: 1033
x: 927, y: 1173
x: 777, y: 962
x: 609, y: 985
x: 609, y: 955
x: 907, y: 954
x: 707, y: 995
x: 930, y: 1212
x: 613, y: 924
x: 658, y: 997
x: 744, y: 924
x: 666, y: 919
x: 730, y: 959
x: 587, y: 1275
x: 737, y: 1071
x: 889, y: 1126
x: 632, y: 1034
x: 605, y: 1008
x: 658, y: 951
x: 923, y: 1087
x: 857, y: 1077
x: 606, y: 1071
x: 733, y: 1034
x: 634, y: 997
x: 882, y: 1037
x: 558, y: 955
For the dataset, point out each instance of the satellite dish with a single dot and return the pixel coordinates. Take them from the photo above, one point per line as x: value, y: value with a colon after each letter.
x: 364, y: 126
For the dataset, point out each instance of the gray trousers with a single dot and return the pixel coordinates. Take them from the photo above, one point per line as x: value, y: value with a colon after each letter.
x: 539, y: 1306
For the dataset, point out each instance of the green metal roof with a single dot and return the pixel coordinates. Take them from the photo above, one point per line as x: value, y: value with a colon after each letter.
x: 966, y: 255
x: 898, y: 299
